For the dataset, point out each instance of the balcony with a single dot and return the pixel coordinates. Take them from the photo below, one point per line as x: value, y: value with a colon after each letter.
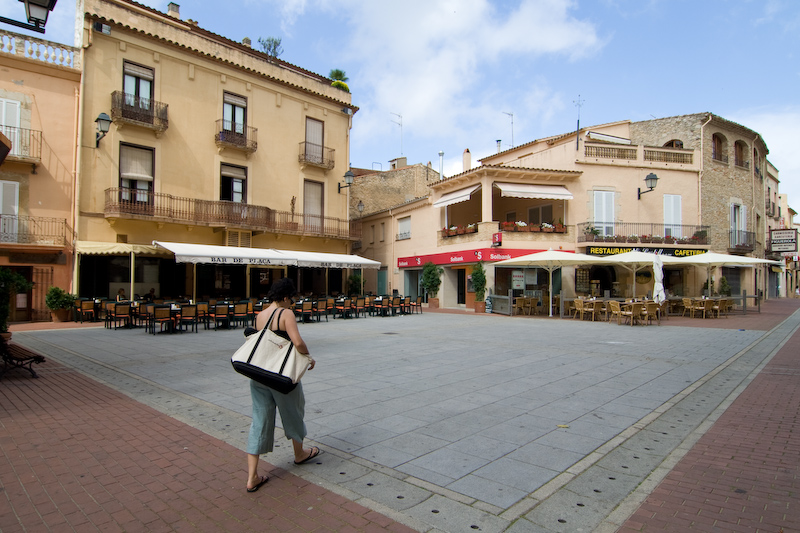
x: 138, y: 204
x: 636, y: 155
x: 741, y: 242
x: 741, y: 163
x: 33, y: 231
x: 26, y: 145
x: 235, y: 136
x: 770, y: 209
x: 642, y: 233
x: 136, y: 111
x: 316, y: 155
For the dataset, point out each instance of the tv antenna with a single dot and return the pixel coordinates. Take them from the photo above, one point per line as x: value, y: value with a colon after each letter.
x: 400, y: 123
x: 512, y: 127
x: 578, y: 103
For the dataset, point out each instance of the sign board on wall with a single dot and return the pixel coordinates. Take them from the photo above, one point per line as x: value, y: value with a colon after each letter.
x: 518, y: 279
x: 486, y: 255
x: 783, y: 240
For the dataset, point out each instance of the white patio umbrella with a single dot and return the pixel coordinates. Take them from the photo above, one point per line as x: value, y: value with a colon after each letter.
x: 636, y: 261
x: 712, y: 260
x: 550, y: 261
x: 658, y: 275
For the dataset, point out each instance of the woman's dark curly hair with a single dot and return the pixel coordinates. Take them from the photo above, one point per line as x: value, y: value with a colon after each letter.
x: 283, y: 288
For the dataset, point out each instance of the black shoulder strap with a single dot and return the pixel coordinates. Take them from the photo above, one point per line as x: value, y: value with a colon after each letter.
x: 270, y: 319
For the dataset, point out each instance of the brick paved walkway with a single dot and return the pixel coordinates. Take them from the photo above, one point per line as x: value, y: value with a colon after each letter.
x: 742, y: 475
x: 76, y: 455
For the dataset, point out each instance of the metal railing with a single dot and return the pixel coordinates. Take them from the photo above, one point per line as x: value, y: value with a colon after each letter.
x: 403, y: 236
x: 722, y: 158
x: 26, y: 145
x: 742, y: 241
x: 140, y: 111
x: 316, y: 154
x: 741, y: 163
x: 235, y: 135
x: 41, y: 231
x: 644, y: 232
x: 137, y: 203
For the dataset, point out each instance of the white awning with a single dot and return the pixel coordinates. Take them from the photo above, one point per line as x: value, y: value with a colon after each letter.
x: 525, y: 190
x: 115, y: 248
x: 455, y: 196
x: 328, y: 260
x: 234, y: 255
x: 225, y: 255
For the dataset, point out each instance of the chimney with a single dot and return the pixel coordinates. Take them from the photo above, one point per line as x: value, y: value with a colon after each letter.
x: 174, y: 10
x: 441, y: 165
x: 466, y: 160
x: 247, y: 42
x: 499, y: 149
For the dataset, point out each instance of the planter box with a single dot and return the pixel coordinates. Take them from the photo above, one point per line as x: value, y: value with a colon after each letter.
x: 480, y: 307
x: 433, y: 303
x: 633, y: 240
x: 547, y: 230
x: 669, y: 240
x: 61, y: 315
x: 472, y: 230
x: 560, y: 229
x: 657, y: 241
x: 461, y: 231
x: 609, y: 239
x: 620, y: 239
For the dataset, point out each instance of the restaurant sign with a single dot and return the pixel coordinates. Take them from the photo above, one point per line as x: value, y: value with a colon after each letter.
x: 783, y: 240
x: 611, y: 250
x: 487, y: 255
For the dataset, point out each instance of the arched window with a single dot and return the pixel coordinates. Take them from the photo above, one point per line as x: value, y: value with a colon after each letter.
x: 740, y: 154
x: 674, y: 143
x: 718, y: 148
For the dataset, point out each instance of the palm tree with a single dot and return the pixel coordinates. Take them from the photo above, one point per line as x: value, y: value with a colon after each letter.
x: 338, y: 75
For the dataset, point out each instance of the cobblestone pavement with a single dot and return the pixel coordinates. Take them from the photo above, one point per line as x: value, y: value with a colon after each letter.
x: 460, y: 423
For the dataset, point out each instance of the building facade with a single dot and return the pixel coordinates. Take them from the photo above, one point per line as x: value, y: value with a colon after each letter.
x: 39, y: 90
x: 211, y: 142
x: 677, y: 186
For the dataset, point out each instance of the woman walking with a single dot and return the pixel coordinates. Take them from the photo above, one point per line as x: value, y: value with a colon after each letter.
x: 266, y: 400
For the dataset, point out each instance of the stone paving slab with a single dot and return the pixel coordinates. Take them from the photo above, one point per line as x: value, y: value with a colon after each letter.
x: 440, y: 377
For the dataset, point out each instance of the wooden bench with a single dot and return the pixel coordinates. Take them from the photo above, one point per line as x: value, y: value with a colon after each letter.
x: 15, y: 356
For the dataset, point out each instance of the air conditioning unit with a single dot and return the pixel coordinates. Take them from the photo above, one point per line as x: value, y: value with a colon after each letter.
x: 239, y: 238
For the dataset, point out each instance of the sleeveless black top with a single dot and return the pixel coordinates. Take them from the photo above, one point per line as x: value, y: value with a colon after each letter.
x: 278, y: 332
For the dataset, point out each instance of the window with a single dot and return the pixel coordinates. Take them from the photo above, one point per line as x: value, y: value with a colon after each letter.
x: 315, y: 131
x: 404, y: 228
x: 233, y: 184
x: 137, y: 84
x: 312, y: 206
x: 539, y: 214
x: 9, y: 208
x: 604, y: 212
x: 739, y: 151
x: 718, y: 148
x: 511, y: 216
x: 135, y: 173
x: 674, y: 143
x: 738, y: 224
x: 383, y: 231
x: 234, y: 113
x: 672, y: 216
x: 9, y: 123
x: 372, y: 234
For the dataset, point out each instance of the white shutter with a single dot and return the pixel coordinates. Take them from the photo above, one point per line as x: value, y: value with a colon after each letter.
x: 314, y: 138
x: 604, y: 211
x: 743, y: 223
x: 672, y: 215
x: 9, y: 203
x: 312, y: 206
x: 9, y: 123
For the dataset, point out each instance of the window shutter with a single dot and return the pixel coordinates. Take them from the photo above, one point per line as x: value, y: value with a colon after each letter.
x: 314, y: 131
x: 238, y: 238
x: 9, y: 197
x: 138, y: 71
x: 672, y: 215
x: 234, y: 99
x: 238, y: 173
x: 312, y: 198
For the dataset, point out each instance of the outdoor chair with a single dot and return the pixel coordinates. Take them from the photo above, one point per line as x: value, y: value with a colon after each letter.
x: 343, y: 308
x: 519, y: 304
x: 395, y: 305
x: 720, y: 307
x: 318, y: 309
x: 85, y: 310
x: 651, y: 311
x: 688, y: 307
x: 220, y: 315
x: 417, y: 305
x: 188, y: 317
x: 306, y: 311
x: 121, y: 316
x: 162, y: 315
x: 108, y: 312
x: 240, y: 315
x: 405, y: 305
x: 632, y: 312
x: 614, y: 311
x: 360, y: 306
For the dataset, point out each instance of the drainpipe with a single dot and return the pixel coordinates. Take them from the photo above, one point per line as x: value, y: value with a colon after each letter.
x: 77, y: 179
x: 702, y: 169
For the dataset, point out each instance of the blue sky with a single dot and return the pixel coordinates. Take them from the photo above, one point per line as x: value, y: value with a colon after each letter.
x: 453, y: 69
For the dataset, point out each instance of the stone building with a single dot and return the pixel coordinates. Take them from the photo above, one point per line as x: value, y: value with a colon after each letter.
x: 39, y: 88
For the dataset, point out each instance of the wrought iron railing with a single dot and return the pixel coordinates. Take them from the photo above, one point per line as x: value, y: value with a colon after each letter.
x: 26, y: 145
x: 235, y: 135
x: 316, y: 154
x: 645, y: 232
x: 140, y: 111
x: 741, y: 163
x: 137, y: 203
x: 742, y: 241
x: 722, y: 158
x: 41, y: 231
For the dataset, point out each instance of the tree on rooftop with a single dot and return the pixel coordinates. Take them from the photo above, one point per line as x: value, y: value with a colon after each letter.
x: 271, y: 46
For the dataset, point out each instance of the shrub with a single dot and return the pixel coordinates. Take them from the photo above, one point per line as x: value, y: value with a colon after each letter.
x: 479, y: 281
x: 57, y: 298
x: 431, y: 278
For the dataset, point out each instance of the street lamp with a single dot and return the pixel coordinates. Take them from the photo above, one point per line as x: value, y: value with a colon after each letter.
x: 650, y: 180
x: 103, y: 122
x: 360, y: 208
x: 348, y: 179
x: 36, y: 11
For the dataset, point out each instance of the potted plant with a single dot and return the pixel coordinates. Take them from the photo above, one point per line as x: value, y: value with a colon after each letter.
x: 521, y: 225
x: 354, y: 284
x: 507, y: 226
x: 11, y: 283
x: 547, y: 227
x: 461, y: 230
x: 591, y: 233
x: 656, y: 239
x: 620, y: 238
x: 452, y: 231
x: 633, y: 238
x: 60, y: 303
x: 669, y: 240
x: 472, y: 228
x: 430, y: 282
x: 609, y: 238
x: 560, y: 227
x: 646, y: 238
x: 292, y: 224
x: 479, y: 284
